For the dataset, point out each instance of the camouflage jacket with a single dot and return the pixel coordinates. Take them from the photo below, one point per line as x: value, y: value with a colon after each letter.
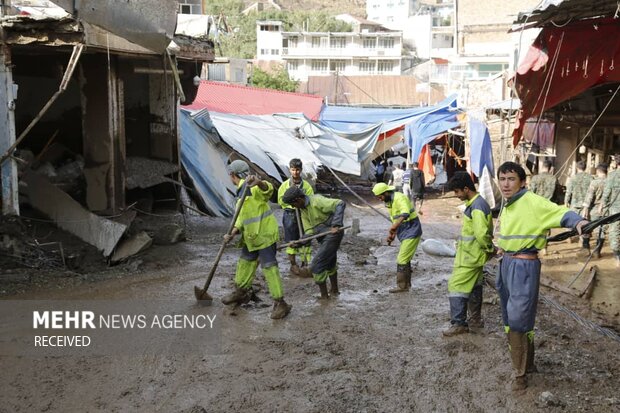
x: 576, y: 190
x: 543, y: 184
x: 611, y: 193
x: 594, y: 197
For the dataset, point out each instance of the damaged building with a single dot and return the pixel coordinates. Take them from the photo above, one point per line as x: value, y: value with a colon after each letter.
x: 89, y: 93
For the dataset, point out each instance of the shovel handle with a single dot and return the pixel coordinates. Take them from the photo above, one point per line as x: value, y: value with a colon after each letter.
x: 223, y: 246
x: 310, y: 238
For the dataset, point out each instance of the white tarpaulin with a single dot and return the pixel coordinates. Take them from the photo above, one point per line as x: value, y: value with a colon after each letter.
x: 268, y: 141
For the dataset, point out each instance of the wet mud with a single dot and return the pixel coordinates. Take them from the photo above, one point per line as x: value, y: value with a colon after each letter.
x: 363, y: 351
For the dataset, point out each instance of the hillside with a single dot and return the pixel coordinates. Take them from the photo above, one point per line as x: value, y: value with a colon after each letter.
x: 354, y: 7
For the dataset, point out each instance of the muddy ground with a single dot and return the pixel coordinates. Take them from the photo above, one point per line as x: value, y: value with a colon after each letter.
x: 365, y: 351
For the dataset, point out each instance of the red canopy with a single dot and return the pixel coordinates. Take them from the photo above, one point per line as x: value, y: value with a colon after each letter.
x: 565, y: 61
x: 246, y: 100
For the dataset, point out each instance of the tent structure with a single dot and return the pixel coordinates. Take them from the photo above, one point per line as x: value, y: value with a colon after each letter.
x: 268, y: 141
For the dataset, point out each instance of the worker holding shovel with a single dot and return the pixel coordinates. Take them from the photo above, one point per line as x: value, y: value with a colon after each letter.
x: 320, y: 214
x: 259, y: 233
x: 292, y: 226
x: 405, y: 225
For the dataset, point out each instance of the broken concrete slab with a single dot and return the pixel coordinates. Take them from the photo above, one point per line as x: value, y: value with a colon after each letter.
x: 131, y: 246
x: 71, y: 216
x: 145, y: 172
x: 169, y: 234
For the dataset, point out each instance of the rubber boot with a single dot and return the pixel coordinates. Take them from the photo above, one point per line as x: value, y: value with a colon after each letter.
x: 474, y: 308
x: 407, y: 270
x: 530, y: 366
x: 323, y: 289
x: 294, y: 267
x: 239, y: 296
x: 599, y: 247
x: 305, y: 271
x: 401, y: 280
x: 518, y: 343
x: 280, y: 309
x: 333, y: 281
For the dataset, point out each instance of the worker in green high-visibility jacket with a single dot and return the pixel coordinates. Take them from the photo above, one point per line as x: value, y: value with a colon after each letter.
x: 406, y: 226
x: 259, y: 233
x: 320, y: 214
x: 525, y: 220
x: 474, y: 248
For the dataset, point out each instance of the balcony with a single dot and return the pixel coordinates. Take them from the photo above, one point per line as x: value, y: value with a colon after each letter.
x: 347, y: 52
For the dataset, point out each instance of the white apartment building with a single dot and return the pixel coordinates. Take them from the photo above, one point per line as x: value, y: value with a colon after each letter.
x: 363, y: 52
x: 392, y: 14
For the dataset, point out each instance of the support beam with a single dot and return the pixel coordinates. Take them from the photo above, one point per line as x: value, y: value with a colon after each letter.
x: 8, y: 168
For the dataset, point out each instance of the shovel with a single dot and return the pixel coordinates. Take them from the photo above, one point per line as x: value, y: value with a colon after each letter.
x: 310, y: 238
x: 201, y: 293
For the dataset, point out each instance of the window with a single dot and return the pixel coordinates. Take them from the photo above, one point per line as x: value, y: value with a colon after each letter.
x: 269, y: 28
x: 337, y: 42
x: 337, y: 65
x: 316, y: 42
x: 186, y: 9
x: 292, y: 65
x: 367, y: 67
x: 386, y: 43
x: 292, y: 42
x: 319, y: 66
x: 370, y: 42
x: 275, y: 52
x: 264, y: 51
x: 490, y: 69
x: 385, y: 66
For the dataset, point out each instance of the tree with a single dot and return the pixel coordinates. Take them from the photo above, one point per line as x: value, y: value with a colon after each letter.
x: 278, y: 80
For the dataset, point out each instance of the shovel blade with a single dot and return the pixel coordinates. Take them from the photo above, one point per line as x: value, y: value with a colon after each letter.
x: 202, y: 296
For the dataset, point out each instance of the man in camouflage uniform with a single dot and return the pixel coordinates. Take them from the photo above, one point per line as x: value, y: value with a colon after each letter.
x: 576, y: 190
x: 593, y: 202
x: 611, y: 205
x: 545, y: 182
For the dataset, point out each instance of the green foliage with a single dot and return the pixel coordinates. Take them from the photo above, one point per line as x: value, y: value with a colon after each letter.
x: 278, y: 80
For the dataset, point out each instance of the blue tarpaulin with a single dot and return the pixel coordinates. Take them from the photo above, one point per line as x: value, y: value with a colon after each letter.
x: 481, y: 150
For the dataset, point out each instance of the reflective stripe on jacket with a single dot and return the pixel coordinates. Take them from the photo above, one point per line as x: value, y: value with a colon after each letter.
x: 475, y: 244
x: 527, y: 217
x: 400, y: 206
x: 256, y: 222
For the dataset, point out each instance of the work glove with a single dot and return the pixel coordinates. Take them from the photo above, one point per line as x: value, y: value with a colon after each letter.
x: 252, y: 180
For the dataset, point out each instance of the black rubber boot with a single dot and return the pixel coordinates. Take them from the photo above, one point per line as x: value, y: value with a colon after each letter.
x: 333, y: 281
x: 323, y: 289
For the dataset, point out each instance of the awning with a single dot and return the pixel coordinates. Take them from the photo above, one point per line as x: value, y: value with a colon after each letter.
x: 564, y: 62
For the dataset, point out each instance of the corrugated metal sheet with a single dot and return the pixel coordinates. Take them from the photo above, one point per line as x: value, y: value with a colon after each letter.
x: 370, y: 90
x: 562, y: 11
x: 245, y: 100
x: 217, y: 72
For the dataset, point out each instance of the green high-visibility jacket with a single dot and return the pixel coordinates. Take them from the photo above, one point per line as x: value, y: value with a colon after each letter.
x: 256, y: 222
x: 400, y: 206
x: 475, y: 244
x: 321, y: 213
x: 305, y: 186
x: 527, y: 217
